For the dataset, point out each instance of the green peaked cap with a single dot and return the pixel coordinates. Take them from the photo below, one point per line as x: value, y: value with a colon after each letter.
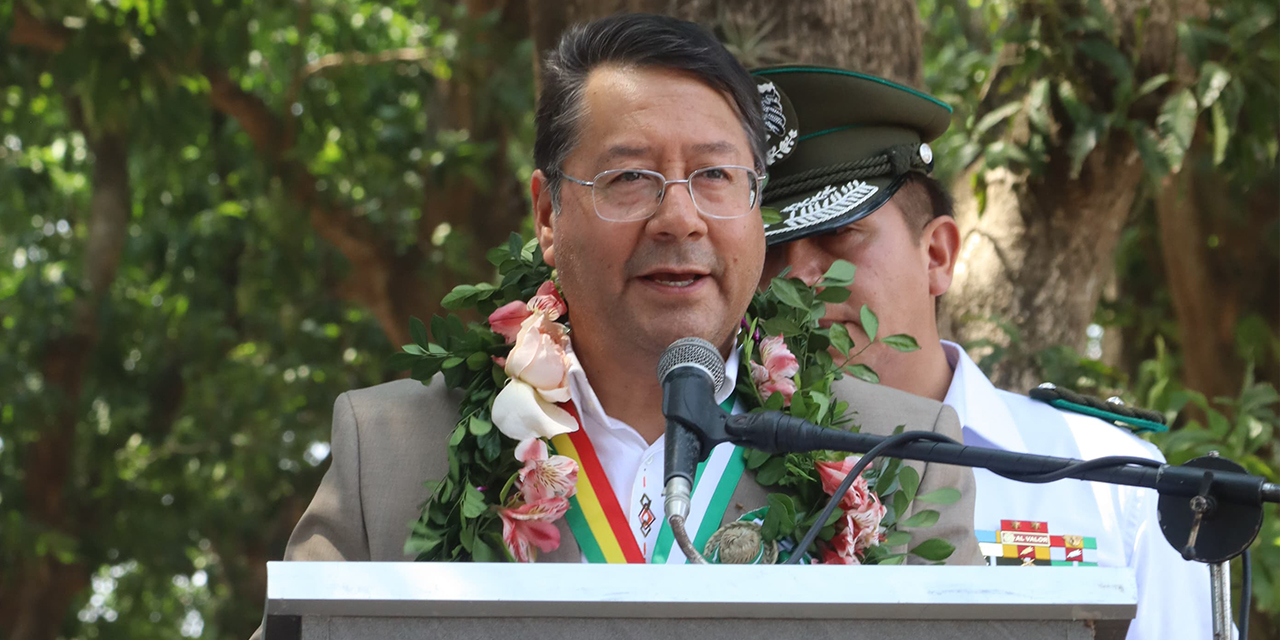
x: 840, y: 144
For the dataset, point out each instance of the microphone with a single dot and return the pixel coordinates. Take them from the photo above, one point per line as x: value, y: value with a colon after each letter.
x: 691, y: 371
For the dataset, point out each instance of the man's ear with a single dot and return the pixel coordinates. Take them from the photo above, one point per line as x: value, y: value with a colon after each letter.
x: 544, y: 216
x: 941, y: 238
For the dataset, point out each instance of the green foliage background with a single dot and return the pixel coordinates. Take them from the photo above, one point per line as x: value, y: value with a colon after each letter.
x: 199, y: 430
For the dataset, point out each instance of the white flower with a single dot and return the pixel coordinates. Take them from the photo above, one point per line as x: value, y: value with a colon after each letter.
x: 520, y: 413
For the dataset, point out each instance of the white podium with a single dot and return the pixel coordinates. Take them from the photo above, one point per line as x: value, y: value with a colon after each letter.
x: 372, y: 600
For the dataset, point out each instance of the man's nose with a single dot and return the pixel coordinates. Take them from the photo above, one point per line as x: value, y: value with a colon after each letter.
x: 677, y: 217
x: 806, y: 261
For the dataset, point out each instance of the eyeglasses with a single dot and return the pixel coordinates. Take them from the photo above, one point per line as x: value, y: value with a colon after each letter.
x: 630, y: 195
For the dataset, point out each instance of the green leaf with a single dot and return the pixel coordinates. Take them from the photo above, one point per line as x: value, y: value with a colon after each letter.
x: 870, y: 323
x: 770, y: 215
x: 897, y: 558
x: 839, y: 274
x: 1213, y: 79
x: 458, y: 298
x: 1176, y: 124
x: 774, y: 402
x: 456, y: 437
x: 772, y: 471
x: 926, y: 518
x: 902, y: 342
x: 1153, y: 159
x: 754, y: 458
x: 402, y: 361
x: 477, y: 360
x: 425, y: 369
x: 1153, y: 83
x: 833, y: 295
x: 1082, y: 142
x: 994, y: 117
x: 479, y: 426
x: 788, y: 294
x: 945, y: 495
x: 450, y: 363
x: 799, y: 406
x: 909, y: 481
x: 482, y: 552
x: 413, y: 349
x: 1221, y: 133
x: 780, y: 520
x: 896, y: 538
x: 935, y: 549
x: 840, y: 338
x: 863, y: 372
x: 473, y: 504
x: 418, y: 331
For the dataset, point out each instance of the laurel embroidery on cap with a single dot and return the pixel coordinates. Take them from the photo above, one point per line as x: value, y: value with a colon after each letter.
x: 824, y: 205
x: 775, y: 121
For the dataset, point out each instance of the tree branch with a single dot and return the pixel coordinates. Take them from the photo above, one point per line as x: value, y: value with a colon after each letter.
x: 29, y: 31
x: 372, y: 256
x: 356, y: 58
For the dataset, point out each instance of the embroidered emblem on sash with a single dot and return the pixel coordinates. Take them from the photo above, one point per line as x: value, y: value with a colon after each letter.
x: 646, y: 516
x: 1026, y: 543
x: 824, y: 205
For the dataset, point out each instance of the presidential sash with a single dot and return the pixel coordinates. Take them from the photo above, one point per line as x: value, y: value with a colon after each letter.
x: 599, y: 523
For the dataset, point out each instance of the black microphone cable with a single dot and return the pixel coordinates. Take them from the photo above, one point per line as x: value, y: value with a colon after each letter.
x: 1087, y: 465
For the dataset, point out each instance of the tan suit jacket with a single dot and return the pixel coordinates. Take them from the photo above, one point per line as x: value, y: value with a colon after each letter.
x: 389, y: 439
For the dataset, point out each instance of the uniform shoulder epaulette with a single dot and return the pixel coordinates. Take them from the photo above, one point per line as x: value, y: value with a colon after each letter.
x: 1112, y: 409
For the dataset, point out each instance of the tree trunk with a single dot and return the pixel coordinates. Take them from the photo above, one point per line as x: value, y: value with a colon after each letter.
x: 35, y: 598
x: 1037, y: 250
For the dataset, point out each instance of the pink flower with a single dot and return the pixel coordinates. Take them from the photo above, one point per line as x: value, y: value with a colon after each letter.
x: 506, y: 320
x: 840, y: 550
x: 532, y: 525
x: 543, y: 477
x: 855, y: 533
x: 539, y: 358
x: 778, y: 359
x: 833, y: 473
x: 548, y: 301
x: 775, y: 375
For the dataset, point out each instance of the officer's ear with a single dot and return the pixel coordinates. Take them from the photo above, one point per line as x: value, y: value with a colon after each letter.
x: 941, y: 239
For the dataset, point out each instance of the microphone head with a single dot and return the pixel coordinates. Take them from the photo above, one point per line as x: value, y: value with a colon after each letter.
x: 694, y: 352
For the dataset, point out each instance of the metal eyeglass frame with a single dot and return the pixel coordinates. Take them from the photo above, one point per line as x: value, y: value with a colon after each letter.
x: 662, y: 193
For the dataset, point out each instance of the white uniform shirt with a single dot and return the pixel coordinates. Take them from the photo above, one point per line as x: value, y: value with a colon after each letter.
x: 634, y: 467
x: 1173, y: 594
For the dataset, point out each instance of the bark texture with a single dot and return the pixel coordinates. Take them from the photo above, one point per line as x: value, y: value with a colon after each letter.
x: 1037, y: 250
x: 881, y: 37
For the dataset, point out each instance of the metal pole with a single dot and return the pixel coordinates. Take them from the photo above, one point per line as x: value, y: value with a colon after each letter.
x: 1220, y: 593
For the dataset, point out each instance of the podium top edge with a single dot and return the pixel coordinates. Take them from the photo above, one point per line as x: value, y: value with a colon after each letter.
x: 760, y: 591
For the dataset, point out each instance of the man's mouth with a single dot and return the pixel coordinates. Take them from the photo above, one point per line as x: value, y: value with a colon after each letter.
x: 678, y: 280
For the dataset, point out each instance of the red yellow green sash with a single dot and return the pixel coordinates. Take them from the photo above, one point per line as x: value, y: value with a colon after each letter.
x: 597, y: 520
x: 594, y: 515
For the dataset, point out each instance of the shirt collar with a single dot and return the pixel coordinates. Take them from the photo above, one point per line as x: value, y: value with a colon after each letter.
x: 978, y: 402
x: 590, y: 409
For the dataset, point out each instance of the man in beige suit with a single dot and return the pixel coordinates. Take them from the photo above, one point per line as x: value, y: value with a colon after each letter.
x: 625, y: 101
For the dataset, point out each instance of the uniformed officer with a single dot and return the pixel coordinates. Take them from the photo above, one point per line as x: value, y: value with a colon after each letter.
x: 843, y: 146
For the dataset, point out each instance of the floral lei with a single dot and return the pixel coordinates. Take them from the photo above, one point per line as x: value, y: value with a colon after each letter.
x: 505, y: 489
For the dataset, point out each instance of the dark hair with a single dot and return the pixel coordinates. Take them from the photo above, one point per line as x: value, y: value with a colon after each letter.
x: 638, y: 40
x: 922, y: 200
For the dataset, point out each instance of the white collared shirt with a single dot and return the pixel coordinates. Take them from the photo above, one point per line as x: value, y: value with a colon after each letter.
x: 1173, y: 594
x: 635, y: 468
